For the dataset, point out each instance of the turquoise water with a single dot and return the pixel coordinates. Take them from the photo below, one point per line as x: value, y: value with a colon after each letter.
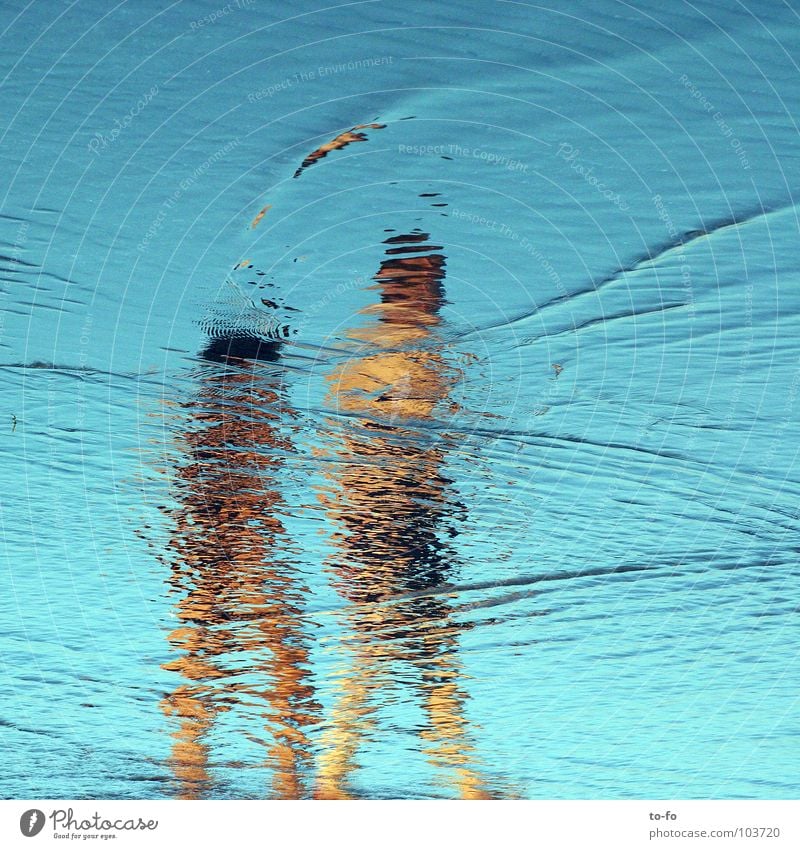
x: 469, y: 469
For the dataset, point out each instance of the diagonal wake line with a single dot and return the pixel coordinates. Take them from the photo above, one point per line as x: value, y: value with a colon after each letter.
x: 604, y: 319
x: 649, y: 259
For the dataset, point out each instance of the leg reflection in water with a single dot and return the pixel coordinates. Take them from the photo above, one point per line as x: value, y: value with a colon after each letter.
x: 242, y: 640
x: 389, y: 497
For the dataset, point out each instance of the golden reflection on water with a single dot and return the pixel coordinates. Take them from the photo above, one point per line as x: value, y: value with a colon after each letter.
x: 389, y: 497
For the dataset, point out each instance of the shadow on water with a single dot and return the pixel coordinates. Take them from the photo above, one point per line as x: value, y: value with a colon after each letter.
x: 388, y: 498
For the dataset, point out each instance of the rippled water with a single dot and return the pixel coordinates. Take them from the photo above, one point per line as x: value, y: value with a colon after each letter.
x: 400, y: 400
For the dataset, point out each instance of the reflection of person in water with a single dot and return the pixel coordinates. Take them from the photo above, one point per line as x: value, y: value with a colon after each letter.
x: 240, y: 599
x: 390, y: 499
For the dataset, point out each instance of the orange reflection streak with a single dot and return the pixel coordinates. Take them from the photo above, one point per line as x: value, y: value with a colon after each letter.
x: 341, y: 141
x: 239, y: 599
x: 389, y: 497
x: 254, y: 223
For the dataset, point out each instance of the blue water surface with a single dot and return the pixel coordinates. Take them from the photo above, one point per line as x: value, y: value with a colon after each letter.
x: 468, y: 469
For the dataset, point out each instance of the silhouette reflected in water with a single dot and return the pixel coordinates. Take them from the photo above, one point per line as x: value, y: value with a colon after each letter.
x: 243, y: 640
x: 391, y: 501
x: 240, y: 599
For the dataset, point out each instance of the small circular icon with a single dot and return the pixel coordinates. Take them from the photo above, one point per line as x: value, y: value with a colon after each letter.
x: 31, y: 822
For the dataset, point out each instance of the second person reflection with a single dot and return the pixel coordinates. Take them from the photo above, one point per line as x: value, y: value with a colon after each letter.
x: 388, y: 495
